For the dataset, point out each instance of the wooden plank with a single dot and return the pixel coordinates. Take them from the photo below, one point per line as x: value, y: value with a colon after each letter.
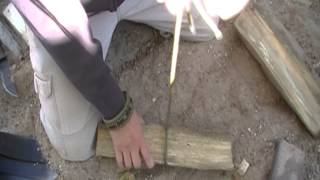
x: 13, y: 32
x: 280, y: 61
x: 185, y: 149
x: 16, y: 20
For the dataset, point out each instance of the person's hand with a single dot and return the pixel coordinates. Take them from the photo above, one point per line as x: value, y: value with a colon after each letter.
x: 129, y: 145
x: 225, y: 9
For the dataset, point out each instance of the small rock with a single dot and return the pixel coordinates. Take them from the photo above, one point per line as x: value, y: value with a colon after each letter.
x: 149, y: 177
x: 127, y: 176
x: 243, y: 167
x: 287, y: 138
x: 318, y: 148
x: 60, y: 167
x: 14, y: 67
x: 288, y: 162
x: 154, y: 99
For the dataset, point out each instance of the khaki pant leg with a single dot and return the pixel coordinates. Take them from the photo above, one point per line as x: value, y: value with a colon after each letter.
x: 156, y: 15
x: 69, y: 120
x: 64, y: 113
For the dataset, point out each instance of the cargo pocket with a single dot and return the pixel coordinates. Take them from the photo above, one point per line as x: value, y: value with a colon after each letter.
x: 49, y: 114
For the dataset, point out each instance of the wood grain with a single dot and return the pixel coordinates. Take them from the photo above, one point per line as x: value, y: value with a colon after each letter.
x: 277, y: 53
x: 185, y: 149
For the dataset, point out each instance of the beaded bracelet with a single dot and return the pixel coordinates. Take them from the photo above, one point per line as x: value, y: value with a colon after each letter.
x: 122, y: 117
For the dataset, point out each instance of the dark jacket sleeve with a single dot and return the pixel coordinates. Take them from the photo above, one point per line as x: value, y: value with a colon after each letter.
x: 95, y: 6
x: 86, y: 70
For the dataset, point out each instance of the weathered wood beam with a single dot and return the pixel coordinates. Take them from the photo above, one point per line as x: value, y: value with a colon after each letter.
x: 276, y: 51
x: 13, y: 31
x: 185, y: 149
x: 16, y: 20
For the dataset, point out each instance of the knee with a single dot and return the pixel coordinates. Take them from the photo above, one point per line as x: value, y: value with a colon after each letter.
x: 78, y: 146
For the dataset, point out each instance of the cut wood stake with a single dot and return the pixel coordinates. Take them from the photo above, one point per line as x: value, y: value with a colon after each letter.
x: 208, y: 19
x: 192, y: 26
x: 280, y: 57
x: 174, y: 59
x: 175, y: 50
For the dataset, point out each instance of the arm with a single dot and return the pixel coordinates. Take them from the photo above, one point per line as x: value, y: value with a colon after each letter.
x: 74, y: 50
x: 66, y: 36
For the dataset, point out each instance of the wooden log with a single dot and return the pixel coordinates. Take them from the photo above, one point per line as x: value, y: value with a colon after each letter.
x: 13, y: 32
x: 277, y: 53
x: 16, y: 20
x: 185, y: 149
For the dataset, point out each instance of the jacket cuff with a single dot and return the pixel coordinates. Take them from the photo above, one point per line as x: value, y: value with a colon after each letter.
x: 122, y: 117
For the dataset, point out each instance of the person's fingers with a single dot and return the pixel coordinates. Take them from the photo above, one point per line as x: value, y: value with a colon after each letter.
x: 136, y: 159
x: 127, y: 159
x: 161, y: 1
x: 119, y: 159
x: 145, y: 153
x: 225, y: 9
x: 174, y: 6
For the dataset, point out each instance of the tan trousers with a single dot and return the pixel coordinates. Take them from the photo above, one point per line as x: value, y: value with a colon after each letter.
x: 69, y: 120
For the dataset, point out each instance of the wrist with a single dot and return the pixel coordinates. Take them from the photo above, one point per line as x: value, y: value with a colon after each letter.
x: 122, y: 117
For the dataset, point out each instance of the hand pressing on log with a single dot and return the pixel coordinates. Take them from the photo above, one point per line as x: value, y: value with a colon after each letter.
x: 129, y: 144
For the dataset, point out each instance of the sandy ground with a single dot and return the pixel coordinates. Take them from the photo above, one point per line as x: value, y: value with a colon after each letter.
x: 220, y: 88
